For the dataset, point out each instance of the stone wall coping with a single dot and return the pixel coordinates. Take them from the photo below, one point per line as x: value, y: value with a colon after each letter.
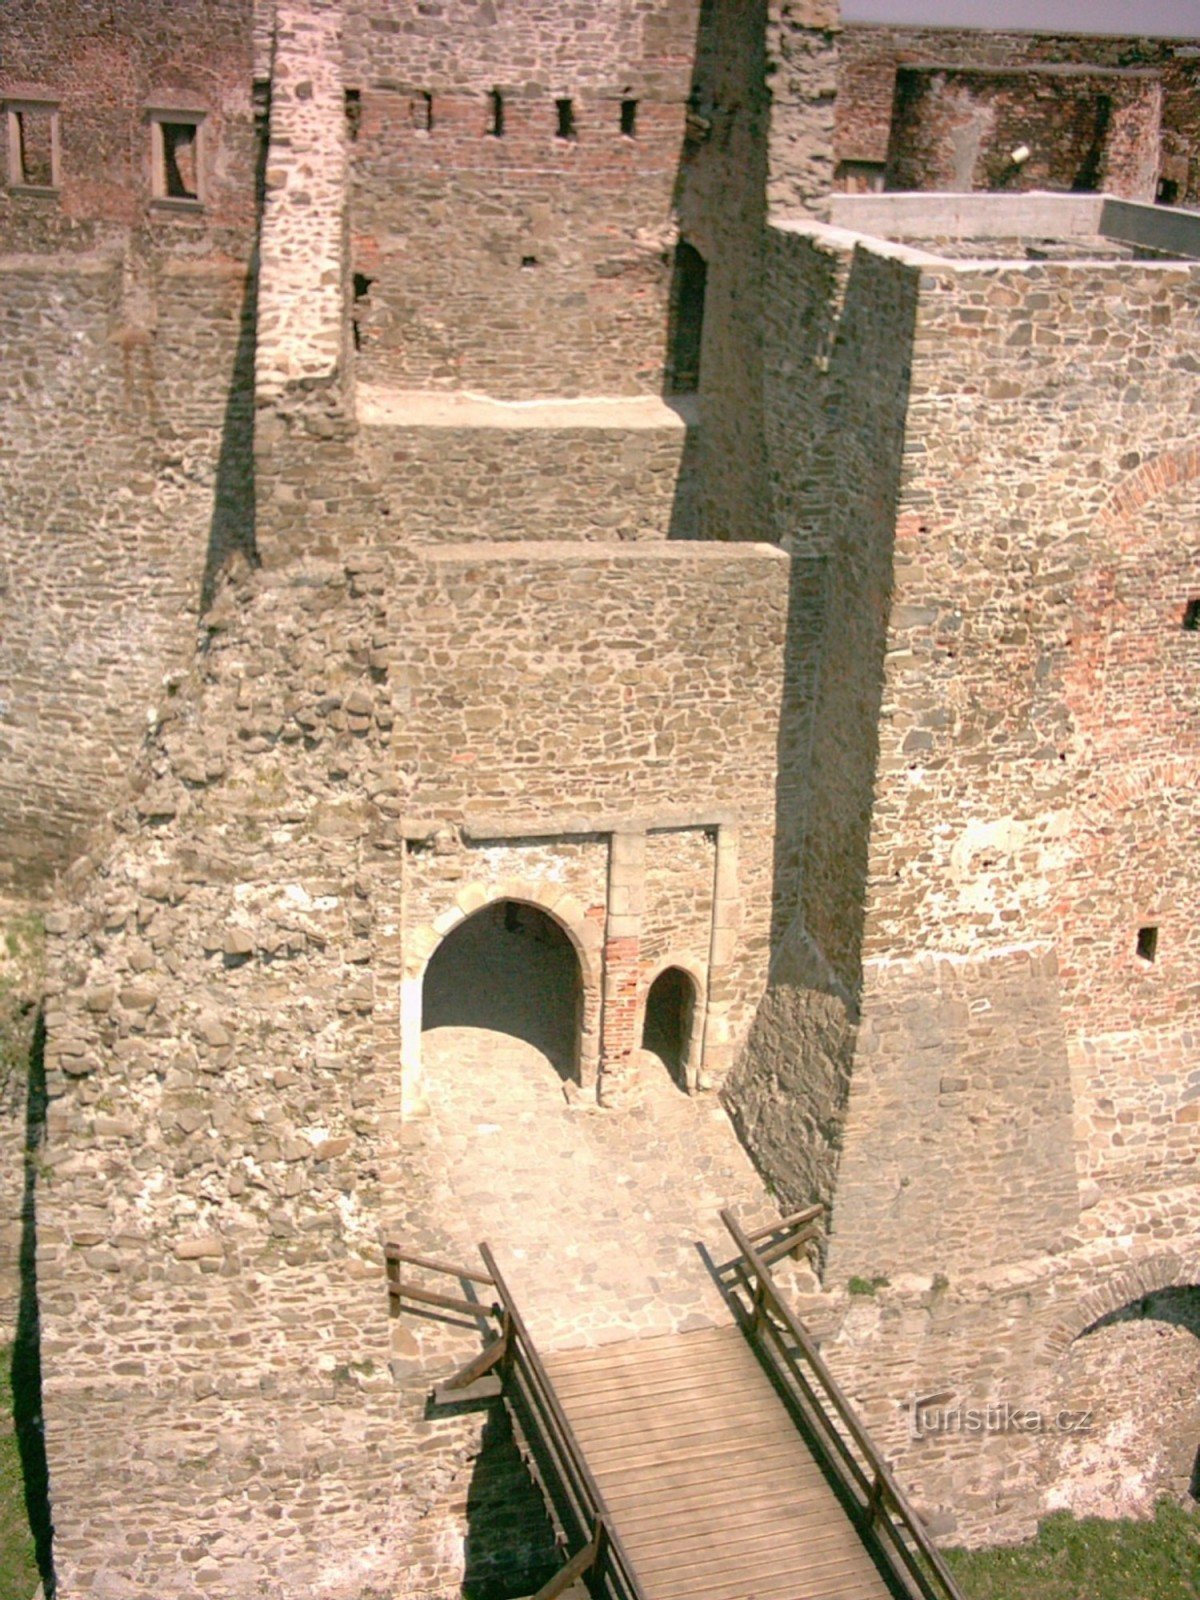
x: 480, y: 828
x: 874, y: 220
x: 382, y: 407
x: 560, y: 552
x: 1041, y: 69
x: 833, y: 236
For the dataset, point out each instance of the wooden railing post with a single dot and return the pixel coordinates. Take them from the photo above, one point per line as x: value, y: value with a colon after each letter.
x: 901, y: 1534
x: 758, y: 1303
x: 874, y: 1499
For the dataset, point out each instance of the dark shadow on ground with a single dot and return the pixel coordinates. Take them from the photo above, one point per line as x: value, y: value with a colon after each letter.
x: 27, y: 1354
x: 509, y: 968
x: 510, y: 1548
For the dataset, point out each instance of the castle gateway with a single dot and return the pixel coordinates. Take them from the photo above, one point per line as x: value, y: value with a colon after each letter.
x: 601, y: 620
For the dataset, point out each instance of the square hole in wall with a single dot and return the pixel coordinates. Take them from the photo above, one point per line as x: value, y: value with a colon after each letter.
x: 565, y: 110
x: 1147, y: 943
x: 176, y: 157
x: 32, y: 144
x: 1191, y: 616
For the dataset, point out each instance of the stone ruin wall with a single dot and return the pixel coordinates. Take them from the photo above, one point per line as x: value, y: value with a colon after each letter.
x: 1030, y: 808
x: 225, y: 1060
x: 229, y: 1036
x: 1014, y: 774
x: 870, y: 56
x: 526, y: 263
x: 838, y: 341
x: 956, y: 128
x: 126, y: 463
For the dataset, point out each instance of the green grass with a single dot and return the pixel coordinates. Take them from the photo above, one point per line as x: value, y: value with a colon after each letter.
x: 1090, y: 1560
x: 18, y: 1568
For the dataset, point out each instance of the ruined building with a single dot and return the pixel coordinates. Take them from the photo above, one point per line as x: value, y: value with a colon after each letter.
x: 477, y: 461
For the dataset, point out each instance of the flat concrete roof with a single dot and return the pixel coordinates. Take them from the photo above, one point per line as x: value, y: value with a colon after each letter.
x: 1092, y: 220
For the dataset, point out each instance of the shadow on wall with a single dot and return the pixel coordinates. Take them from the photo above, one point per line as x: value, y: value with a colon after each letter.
x: 844, y: 453
x: 232, y: 529
x: 27, y: 1352
x: 837, y: 376
x: 510, y: 1548
x: 681, y: 382
x: 713, y: 344
x: 509, y: 968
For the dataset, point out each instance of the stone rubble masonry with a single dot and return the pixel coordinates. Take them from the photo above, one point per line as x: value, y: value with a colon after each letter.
x: 522, y: 264
x: 301, y: 333
x: 597, y: 470
x: 224, y: 1011
x: 870, y: 56
x: 126, y: 450
x: 894, y: 763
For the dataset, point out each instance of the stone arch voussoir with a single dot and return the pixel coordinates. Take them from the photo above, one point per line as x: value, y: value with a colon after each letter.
x: 1168, y: 1269
x: 558, y: 903
x: 1152, y: 478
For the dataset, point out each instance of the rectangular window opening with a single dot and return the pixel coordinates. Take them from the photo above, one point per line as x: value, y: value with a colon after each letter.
x: 629, y: 111
x: 1191, y: 615
x: 181, y: 177
x: 33, y: 146
x: 1147, y: 943
x: 496, y: 114
x: 566, y: 119
x: 176, y: 151
x: 425, y: 110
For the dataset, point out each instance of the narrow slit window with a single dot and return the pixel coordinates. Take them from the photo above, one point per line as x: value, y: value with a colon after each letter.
x: 629, y: 115
x: 425, y: 110
x: 566, y: 119
x: 496, y: 114
x: 33, y: 146
x: 1147, y: 943
x: 353, y: 104
x: 1191, y: 616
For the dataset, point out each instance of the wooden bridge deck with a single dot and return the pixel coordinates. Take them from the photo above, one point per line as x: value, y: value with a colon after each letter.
x: 711, y: 1485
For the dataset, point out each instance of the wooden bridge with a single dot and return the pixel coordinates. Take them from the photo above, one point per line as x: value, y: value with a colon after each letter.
x: 719, y: 1464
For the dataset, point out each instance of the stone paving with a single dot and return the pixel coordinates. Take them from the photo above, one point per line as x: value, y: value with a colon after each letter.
x: 596, y: 1215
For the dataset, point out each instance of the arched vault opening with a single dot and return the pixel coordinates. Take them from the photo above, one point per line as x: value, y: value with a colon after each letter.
x: 1123, y: 1419
x: 509, y: 968
x: 669, y: 1023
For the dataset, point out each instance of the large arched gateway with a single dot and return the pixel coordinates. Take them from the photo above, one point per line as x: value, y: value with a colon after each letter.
x: 509, y: 968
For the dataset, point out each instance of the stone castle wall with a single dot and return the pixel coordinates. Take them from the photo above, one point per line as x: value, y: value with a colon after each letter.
x: 126, y: 329
x: 521, y: 262
x: 871, y: 55
x: 839, y: 350
x: 226, y: 1065
x: 865, y: 792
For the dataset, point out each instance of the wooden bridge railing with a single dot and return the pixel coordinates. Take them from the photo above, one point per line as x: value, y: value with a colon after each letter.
x: 880, y: 1505
x: 595, y: 1551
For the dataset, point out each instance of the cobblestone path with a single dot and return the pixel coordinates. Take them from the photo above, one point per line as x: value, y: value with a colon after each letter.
x: 595, y: 1214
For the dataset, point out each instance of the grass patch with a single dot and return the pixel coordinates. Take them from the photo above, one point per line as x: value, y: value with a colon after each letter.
x: 1090, y: 1559
x: 18, y: 1563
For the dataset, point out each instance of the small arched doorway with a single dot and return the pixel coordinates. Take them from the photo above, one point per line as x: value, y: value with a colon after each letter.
x: 669, y: 1022
x: 509, y: 968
